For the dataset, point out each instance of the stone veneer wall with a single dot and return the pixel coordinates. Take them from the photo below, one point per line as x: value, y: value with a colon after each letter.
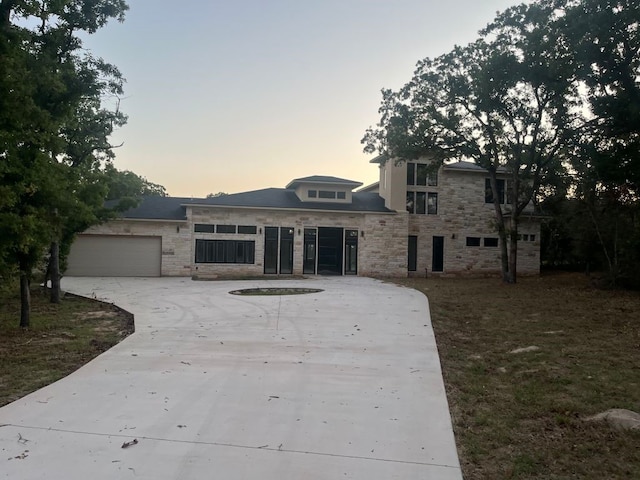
x: 462, y: 213
x: 176, y: 241
x: 381, y: 251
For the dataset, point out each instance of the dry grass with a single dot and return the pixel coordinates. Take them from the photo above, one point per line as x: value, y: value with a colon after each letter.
x: 521, y: 416
x: 61, y: 339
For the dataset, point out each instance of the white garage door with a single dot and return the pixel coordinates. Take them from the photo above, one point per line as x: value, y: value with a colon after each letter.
x: 115, y: 256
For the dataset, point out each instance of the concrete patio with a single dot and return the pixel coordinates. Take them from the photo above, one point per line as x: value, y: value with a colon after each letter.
x: 345, y: 383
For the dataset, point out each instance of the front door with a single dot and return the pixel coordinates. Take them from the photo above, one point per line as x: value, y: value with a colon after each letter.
x: 309, y: 262
x: 330, y: 246
x: 286, y: 250
x: 437, y: 264
x: 270, y: 249
x: 412, y: 264
x: 351, y: 252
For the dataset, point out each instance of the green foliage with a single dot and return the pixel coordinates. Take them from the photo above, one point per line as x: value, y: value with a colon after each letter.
x: 54, y: 127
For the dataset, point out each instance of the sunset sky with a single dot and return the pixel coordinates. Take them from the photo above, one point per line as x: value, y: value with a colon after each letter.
x: 242, y: 95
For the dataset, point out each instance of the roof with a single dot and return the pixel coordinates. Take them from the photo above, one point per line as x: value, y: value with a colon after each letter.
x: 157, y: 208
x: 174, y: 208
x: 285, y: 198
x: 370, y: 188
x: 324, y: 179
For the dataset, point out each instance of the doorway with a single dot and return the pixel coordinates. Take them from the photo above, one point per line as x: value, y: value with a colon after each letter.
x: 330, y: 251
x: 437, y: 263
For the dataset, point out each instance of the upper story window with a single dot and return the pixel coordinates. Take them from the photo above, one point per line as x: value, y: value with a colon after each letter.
x: 504, y: 191
x: 312, y: 193
x: 326, y: 194
x: 420, y: 174
x: 422, y: 203
x: 204, y: 228
x: 342, y: 195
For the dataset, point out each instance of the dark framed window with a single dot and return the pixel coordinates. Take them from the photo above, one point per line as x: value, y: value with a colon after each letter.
x: 411, y: 173
x: 411, y: 202
x: 203, y: 228
x: 473, y: 241
x: 532, y: 238
x: 488, y: 194
x: 432, y: 179
x: 421, y: 202
x: 490, y: 242
x: 326, y: 194
x: 225, y: 251
x: 432, y: 203
x: 342, y: 195
x: 250, y: 229
x: 422, y: 172
x: 225, y: 229
x: 312, y: 193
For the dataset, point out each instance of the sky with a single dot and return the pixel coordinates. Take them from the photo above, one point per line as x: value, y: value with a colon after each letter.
x: 239, y: 95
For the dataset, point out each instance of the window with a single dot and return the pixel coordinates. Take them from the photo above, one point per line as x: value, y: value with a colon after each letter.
x: 251, y: 229
x: 490, y: 242
x: 342, y: 195
x: 225, y: 229
x: 432, y: 203
x: 225, y: 251
x: 203, y: 228
x: 411, y: 173
x: 326, y: 194
x: 422, y: 173
x: 532, y: 238
x: 488, y: 194
x: 473, y: 241
x: 421, y: 202
x: 411, y: 202
x: 312, y: 193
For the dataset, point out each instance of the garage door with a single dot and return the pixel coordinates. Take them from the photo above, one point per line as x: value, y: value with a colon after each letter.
x: 115, y: 256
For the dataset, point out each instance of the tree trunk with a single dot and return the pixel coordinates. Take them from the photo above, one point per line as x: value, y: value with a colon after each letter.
x: 25, y: 295
x: 502, y: 232
x: 54, y: 272
x: 513, y: 247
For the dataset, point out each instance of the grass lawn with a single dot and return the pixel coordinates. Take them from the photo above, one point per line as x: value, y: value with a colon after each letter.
x: 521, y: 415
x: 61, y: 339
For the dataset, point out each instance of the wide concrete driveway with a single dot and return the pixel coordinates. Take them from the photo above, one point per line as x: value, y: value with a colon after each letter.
x: 342, y: 384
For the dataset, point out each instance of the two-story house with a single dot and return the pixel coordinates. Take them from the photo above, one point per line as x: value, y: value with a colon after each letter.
x: 415, y: 220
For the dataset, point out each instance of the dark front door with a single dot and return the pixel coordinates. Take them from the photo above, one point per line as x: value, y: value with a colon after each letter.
x: 330, y: 251
x: 412, y: 264
x: 286, y: 250
x: 351, y: 252
x: 437, y: 265
x: 309, y: 262
x: 270, y: 249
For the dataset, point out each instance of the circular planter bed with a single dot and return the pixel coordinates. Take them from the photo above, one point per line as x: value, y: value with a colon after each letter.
x: 275, y: 291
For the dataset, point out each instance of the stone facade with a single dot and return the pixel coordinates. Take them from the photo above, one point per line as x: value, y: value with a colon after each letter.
x: 458, y: 237
x: 378, y: 252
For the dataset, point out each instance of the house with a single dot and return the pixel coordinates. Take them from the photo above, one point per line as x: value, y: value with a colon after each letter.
x: 413, y: 221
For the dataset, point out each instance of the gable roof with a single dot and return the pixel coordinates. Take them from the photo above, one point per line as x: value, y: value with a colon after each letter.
x: 324, y: 179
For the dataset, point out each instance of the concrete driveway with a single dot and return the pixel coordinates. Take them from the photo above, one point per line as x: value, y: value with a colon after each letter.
x: 345, y: 383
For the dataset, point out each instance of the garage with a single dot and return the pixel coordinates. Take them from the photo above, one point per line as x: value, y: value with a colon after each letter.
x: 115, y: 256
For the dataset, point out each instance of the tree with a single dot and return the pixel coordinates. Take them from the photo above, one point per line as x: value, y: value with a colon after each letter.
x: 504, y: 101
x: 46, y: 81
x: 216, y: 195
x: 604, y: 39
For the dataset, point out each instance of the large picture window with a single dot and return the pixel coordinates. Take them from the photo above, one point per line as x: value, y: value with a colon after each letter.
x: 225, y: 251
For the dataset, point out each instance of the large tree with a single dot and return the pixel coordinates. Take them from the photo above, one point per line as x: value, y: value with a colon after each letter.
x: 505, y: 102
x: 47, y: 80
